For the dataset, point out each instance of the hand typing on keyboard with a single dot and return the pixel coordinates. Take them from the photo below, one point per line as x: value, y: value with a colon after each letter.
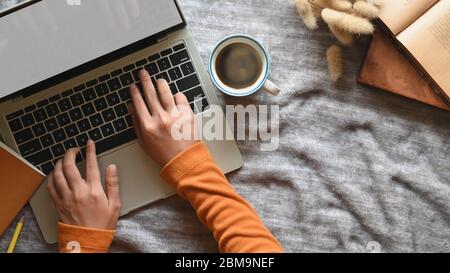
x: 155, y: 116
x: 82, y: 201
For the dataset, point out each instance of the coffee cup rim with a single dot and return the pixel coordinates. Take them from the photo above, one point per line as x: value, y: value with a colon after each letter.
x: 263, y: 81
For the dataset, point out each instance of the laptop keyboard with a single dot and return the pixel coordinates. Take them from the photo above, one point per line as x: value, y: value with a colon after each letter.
x: 98, y: 109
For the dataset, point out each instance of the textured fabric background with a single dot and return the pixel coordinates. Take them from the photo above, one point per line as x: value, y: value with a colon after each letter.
x: 7, y: 3
x: 354, y: 165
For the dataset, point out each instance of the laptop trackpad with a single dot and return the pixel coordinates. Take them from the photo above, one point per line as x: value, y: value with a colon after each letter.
x: 139, y: 179
x: 139, y: 185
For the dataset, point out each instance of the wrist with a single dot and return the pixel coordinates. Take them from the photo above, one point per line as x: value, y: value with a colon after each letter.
x: 185, y: 161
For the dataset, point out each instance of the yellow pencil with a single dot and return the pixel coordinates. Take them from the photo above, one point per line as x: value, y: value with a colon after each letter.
x: 15, y: 236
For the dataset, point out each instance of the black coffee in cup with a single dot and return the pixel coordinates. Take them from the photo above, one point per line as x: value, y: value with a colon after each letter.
x: 238, y: 65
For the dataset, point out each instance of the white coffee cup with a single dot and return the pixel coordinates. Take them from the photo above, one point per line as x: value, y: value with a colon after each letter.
x: 261, y: 80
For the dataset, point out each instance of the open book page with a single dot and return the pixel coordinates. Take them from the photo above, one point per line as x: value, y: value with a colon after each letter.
x: 428, y: 41
x: 397, y: 15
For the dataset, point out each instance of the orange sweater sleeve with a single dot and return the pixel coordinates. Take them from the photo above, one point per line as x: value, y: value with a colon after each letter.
x: 234, y: 223
x: 75, y: 239
x: 193, y: 173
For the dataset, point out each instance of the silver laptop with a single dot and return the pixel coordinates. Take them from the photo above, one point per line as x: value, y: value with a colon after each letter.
x: 65, y: 68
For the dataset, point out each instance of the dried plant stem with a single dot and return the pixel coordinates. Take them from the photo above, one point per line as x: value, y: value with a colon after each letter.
x: 334, y: 60
x: 321, y: 4
x: 365, y: 9
x: 305, y: 10
x: 347, y: 22
x: 341, y: 5
x: 344, y: 37
x: 315, y: 7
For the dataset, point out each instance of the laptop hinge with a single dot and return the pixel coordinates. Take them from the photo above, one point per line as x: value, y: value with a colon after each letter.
x: 162, y: 39
x: 17, y: 98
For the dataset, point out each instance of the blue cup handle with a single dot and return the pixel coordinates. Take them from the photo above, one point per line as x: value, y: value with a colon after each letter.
x: 271, y: 88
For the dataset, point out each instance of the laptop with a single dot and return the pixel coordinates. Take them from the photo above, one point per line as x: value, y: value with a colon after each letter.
x: 65, y: 68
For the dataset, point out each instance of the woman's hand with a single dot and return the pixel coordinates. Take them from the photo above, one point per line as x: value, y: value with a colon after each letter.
x: 83, y: 202
x: 165, y: 124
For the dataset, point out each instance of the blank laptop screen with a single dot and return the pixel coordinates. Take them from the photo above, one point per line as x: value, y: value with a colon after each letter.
x: 52, y: 36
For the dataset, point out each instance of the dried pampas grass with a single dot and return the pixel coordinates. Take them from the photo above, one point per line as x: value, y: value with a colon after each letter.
x: 365, y: 9
x: 377, y: 3
x: 347, y: 22
x: 345, y: 19
x: 305, y: 10
x: 344, y: 37
x: 334, y: 60
x: 341, y: 5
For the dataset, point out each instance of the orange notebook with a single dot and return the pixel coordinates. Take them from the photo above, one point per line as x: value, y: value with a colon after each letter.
x: 18, y: 181
x: 386, y: 67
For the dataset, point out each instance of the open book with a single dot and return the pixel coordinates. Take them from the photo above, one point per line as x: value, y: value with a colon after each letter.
x: 385, y: 67
x: 422, y: 27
